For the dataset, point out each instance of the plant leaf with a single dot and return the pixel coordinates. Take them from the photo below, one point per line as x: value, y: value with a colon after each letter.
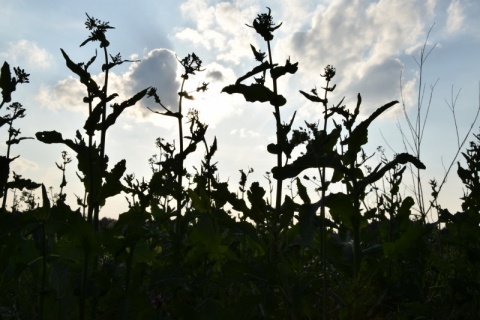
x: 302, y: 192
x: 256, y: 92
x: 313, y: 98
x: 7, y: 84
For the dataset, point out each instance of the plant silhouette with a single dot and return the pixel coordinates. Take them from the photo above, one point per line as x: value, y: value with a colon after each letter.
x: 343, y: 243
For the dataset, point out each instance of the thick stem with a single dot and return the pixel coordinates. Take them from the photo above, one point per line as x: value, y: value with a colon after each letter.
x: 278, y: 123
x: 103, y: 135
x: 5, y: 190
x: 90, y: 166
x: 322, y: 215
x: 180, y: 153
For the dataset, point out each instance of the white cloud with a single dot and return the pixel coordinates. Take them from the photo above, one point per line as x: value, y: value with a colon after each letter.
x: 158, y: 68
x: 66, y: 94
x: 455, y: 18
x: 24, y: 166
x: 363, y: 40
x: 127, y: 127
x: 220, y: 27
x: 244, y: 133
x: 28, y: 52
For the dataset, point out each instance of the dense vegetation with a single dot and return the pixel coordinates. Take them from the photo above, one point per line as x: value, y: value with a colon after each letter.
x: 188, y: 247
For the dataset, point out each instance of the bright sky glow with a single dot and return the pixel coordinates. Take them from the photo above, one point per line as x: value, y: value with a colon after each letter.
x: 371, y: 43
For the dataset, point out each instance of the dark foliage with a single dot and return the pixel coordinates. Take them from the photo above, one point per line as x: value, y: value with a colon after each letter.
x: 190, y: 248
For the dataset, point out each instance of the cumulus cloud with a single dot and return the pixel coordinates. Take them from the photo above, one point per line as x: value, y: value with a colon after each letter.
x: 380, y: 82
x: 220, y: 27
x: 158, y: 68
x: 363, y: 40
x: 28, y: 54
x: 65, y: 94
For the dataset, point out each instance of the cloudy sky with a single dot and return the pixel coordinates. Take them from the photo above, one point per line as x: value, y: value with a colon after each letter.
x: 373, y: 44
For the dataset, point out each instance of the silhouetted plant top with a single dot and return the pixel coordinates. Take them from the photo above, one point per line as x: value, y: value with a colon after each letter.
x: 98, y: 29
x: 191, y: 63
x: 264, y: 25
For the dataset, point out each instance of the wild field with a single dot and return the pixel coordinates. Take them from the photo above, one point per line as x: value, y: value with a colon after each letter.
x: 191, y: 246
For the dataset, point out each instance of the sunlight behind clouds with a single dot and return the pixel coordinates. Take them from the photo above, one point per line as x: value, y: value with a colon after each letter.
x: 364, y: 41
x: 219, y: 27
x: 369, y: 42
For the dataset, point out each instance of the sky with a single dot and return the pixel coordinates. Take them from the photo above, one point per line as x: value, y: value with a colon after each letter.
x: 373, y: 44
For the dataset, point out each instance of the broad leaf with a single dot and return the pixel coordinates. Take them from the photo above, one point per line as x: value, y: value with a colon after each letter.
x: 313, y: 98
x: 112, y: 185
x: 256, y: 92
x: 359, y: 135
x: 279, y: 71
